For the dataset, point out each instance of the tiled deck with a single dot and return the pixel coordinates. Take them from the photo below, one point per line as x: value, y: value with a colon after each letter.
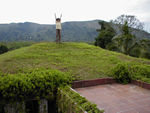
x: 117, y: 98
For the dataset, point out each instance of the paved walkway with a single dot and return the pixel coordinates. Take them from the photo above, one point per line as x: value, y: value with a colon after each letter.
x: 117, y: 98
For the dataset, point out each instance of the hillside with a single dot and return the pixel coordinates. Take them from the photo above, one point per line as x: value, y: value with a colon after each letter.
x: 80, y: 59
x: 72, y: 31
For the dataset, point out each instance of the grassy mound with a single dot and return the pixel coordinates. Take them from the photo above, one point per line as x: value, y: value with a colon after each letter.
x: 80, y: 59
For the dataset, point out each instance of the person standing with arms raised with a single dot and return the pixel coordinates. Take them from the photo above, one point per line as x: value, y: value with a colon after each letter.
x: 58, y: 29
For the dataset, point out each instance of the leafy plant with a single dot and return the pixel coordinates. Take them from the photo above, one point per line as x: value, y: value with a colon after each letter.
x: 39, y: 83
x: 70, y: 101
x: 125, y: 72
x: 121, y: 73
x: 140, y: 72
x: 106, y: 33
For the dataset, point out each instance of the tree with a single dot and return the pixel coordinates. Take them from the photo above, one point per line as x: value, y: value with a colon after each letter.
x: 106, y: 33
x: 126, y: 41
x: 144, y: 45
x: 132, y: 21
x: 3, y: 49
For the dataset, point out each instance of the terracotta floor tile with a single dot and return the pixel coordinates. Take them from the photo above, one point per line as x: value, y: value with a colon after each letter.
x: 117, y: 98
x: 129, y: 111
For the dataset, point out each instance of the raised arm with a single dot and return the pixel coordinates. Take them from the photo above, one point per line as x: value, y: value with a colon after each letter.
x: 60, y: 16
x: 55, y: 16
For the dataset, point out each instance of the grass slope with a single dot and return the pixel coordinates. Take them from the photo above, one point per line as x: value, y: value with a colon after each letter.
x: 80, y: 59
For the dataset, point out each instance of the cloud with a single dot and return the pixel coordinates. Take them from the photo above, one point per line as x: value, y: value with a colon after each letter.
x: 142, y: 10
x: 42, y: 11
x: 145, y: 6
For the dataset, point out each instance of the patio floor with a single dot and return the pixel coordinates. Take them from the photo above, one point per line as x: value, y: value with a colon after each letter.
x: 118, y: 98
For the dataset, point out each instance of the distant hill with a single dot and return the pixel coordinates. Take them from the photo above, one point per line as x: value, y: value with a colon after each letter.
x: 72, y: 31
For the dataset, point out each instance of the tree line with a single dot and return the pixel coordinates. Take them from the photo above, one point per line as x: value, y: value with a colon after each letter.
x: 125, y: 42
x: 8, y: 46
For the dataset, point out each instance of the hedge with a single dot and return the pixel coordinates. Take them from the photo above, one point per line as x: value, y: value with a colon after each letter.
x: 69, y: 101
x: 38, y: 83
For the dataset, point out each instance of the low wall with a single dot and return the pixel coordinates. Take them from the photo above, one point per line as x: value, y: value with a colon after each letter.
x: 69, y: 101
x: 141, y: 84
x: 94, y: 82
x: 101, y: 81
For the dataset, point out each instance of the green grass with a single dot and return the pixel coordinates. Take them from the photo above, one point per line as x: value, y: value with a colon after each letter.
x: 80, y: 59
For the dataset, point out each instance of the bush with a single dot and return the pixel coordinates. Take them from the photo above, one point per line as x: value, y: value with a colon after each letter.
x: 3, y: 49
x: 126, y: 72
x: 39, y: 83
x: 121, y: 73
x: 140, y: 72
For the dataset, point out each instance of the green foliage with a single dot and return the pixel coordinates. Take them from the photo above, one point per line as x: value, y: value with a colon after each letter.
x: 136, y: 52
x: 125, y: 28
x: 140, y: 72
x: 106, y: 33
x: 129, y: 44
x: 125, y: 72
x: 121, y: 73
x: 146, y: 55
x: 112, y: 47
x: 144, y: 48
x: 3, y: 49
x: 39, y: 83
x: 126, y: 41
x: 70, y: 101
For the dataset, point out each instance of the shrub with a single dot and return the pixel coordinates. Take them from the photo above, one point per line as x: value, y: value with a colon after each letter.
x: 140, y: 72
x: 126, y: 72
x: 3, y: 49
x: 39, y: 83
x: 121, y: 73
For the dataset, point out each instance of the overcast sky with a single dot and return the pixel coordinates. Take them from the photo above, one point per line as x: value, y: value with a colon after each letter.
x: 42, y: 11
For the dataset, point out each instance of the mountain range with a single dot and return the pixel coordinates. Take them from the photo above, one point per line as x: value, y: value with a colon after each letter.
x: 71, y: 31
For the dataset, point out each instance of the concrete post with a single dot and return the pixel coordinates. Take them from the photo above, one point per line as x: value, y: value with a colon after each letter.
x: 43, y: 107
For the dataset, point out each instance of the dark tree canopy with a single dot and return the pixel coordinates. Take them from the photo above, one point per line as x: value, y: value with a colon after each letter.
x: 106, y: 33
x: 3, y: 49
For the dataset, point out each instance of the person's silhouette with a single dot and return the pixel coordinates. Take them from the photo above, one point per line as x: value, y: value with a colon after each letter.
x: 58, y: 28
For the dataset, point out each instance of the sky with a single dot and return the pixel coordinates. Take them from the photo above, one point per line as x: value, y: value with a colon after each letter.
x: 42, y: 11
